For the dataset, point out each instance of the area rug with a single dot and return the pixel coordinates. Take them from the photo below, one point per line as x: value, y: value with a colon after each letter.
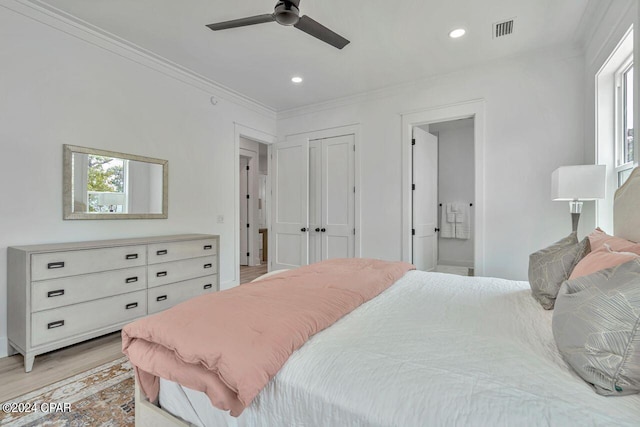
x: 103, y: 396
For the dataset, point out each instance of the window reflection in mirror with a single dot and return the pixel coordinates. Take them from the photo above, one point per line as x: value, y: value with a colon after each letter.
x: 102, y: 184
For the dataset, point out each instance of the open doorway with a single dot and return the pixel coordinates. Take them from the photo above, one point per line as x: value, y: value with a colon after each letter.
x: 443, y: 193
x: 253, y: 204
x: 472, y: 109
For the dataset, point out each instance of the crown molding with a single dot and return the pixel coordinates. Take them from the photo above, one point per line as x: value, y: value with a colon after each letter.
x: 564, y: 51
x: 591, y: 18
x: 73, y: 26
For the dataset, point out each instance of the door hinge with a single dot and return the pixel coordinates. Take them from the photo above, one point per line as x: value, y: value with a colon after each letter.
x: 413, y: 186
x: 247, y: 167
x: 354, y: 231
x: 247, y: 253
x: 436, y: 230
x: 413, y: 231
x: 247, y: 196
x: 354, y: 148
x: 413, y: 141
x: 354, y: 189
x: 247, y: 225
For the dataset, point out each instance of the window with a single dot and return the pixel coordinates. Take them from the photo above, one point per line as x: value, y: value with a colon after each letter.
x: 106, y: 184
x: 614, y: 130
x: 626, y: 157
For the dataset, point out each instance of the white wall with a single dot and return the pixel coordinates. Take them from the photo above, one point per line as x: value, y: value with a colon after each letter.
x: 56, y: 88
x: 456, y: 183
x: 534, y: 123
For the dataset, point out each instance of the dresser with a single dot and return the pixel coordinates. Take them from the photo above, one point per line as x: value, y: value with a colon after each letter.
x: 61, y: 294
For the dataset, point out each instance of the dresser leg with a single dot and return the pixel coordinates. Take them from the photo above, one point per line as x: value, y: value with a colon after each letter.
x: 28, y: 362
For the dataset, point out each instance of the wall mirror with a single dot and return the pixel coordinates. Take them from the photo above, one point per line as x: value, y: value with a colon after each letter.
x: 100, y: 184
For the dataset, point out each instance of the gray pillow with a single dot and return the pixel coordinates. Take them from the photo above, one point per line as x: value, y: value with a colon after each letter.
x: 551, y: 266
x: 596, y: 327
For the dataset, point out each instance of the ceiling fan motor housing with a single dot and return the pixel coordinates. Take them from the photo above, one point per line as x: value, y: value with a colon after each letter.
x: 287, y: 12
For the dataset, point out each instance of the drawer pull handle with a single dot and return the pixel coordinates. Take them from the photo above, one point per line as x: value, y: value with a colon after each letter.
x: 53, y: 265
x: 132, y: 305
x: 161, y: 273
x: 161, y: 298
x: 57, y: 293
x: 208, y: 247
x: 54, y: 325
x: 162, y: 252
x: 208, y: 266
x: 131, y: 279
x: 208, y: 286
x: 132, y: 256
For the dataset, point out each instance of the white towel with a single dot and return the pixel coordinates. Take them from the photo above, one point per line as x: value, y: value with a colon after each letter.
x: 447, y: 222
x: 463, y: 227
x: 460, y: 209
x: 450, y: 212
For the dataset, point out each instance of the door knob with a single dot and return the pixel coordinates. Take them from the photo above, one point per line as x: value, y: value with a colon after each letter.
x: 317, y: 230
x: 323, y: 230
x: 303, y: 229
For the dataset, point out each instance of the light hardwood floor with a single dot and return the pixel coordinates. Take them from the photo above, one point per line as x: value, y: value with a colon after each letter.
x: 247, y: 274
x: 57, y: 365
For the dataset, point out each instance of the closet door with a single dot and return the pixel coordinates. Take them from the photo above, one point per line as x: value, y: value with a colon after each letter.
x: 290, y: 204
x: 338, y: 197
x: 315, y: 201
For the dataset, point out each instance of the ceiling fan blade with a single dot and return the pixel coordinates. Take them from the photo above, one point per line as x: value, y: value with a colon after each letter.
x: 321, y: 32
x: 243, y: 22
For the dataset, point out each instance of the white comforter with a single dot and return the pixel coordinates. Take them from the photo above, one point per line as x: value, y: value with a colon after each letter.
x: 433, y: 350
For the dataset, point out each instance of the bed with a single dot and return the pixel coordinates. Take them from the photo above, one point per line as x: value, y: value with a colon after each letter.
x: 433, y: 349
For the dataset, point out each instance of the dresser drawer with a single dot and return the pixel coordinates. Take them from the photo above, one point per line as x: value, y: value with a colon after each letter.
x: 174, y: 251
x: 177, y: 271
x: 47, y: 294
x: 71, y: 263
x: 163, y: 297
x: 66, y: 322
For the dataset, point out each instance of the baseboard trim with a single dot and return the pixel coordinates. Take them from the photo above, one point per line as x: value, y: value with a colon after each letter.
x: 4, y: 347
x: 466, y: 264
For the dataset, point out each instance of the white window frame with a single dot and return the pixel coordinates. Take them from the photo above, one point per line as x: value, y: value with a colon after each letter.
x: 620, y: 137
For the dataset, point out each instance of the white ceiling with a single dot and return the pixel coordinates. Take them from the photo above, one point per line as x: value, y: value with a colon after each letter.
x: 391, y: 42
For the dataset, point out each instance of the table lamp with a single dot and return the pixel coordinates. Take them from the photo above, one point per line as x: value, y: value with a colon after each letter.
x: 577, y: 184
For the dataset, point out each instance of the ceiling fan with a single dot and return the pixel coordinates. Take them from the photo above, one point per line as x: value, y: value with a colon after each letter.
x: 287, y: 13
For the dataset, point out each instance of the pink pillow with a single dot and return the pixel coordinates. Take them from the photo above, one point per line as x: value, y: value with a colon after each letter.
x: 599, y: 238
x: 603, y: 258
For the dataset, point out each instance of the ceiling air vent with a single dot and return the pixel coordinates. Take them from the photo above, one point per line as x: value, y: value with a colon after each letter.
x: 503, y: 28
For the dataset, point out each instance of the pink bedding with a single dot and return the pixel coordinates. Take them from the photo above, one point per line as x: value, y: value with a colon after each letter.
x: 230, y: 344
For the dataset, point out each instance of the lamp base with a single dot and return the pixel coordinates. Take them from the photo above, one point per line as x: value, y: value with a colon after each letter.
x: 575, y: 218
x: 575, y: 208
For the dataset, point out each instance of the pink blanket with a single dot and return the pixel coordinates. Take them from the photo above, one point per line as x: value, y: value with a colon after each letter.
x: 230, y: 344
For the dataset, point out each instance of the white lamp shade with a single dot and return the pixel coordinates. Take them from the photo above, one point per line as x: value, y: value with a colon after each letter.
x: 585, y: 182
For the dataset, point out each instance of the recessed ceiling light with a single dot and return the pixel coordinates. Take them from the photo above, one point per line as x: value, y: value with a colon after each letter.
x: 296, y: 79
x: 457, y: 33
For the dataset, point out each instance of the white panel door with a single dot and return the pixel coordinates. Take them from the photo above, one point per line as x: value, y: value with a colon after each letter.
x: 315, y: 201
x: 338, y: 198
x: 290, y: 204
x: 243, y: 191
x: 425, y: 200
